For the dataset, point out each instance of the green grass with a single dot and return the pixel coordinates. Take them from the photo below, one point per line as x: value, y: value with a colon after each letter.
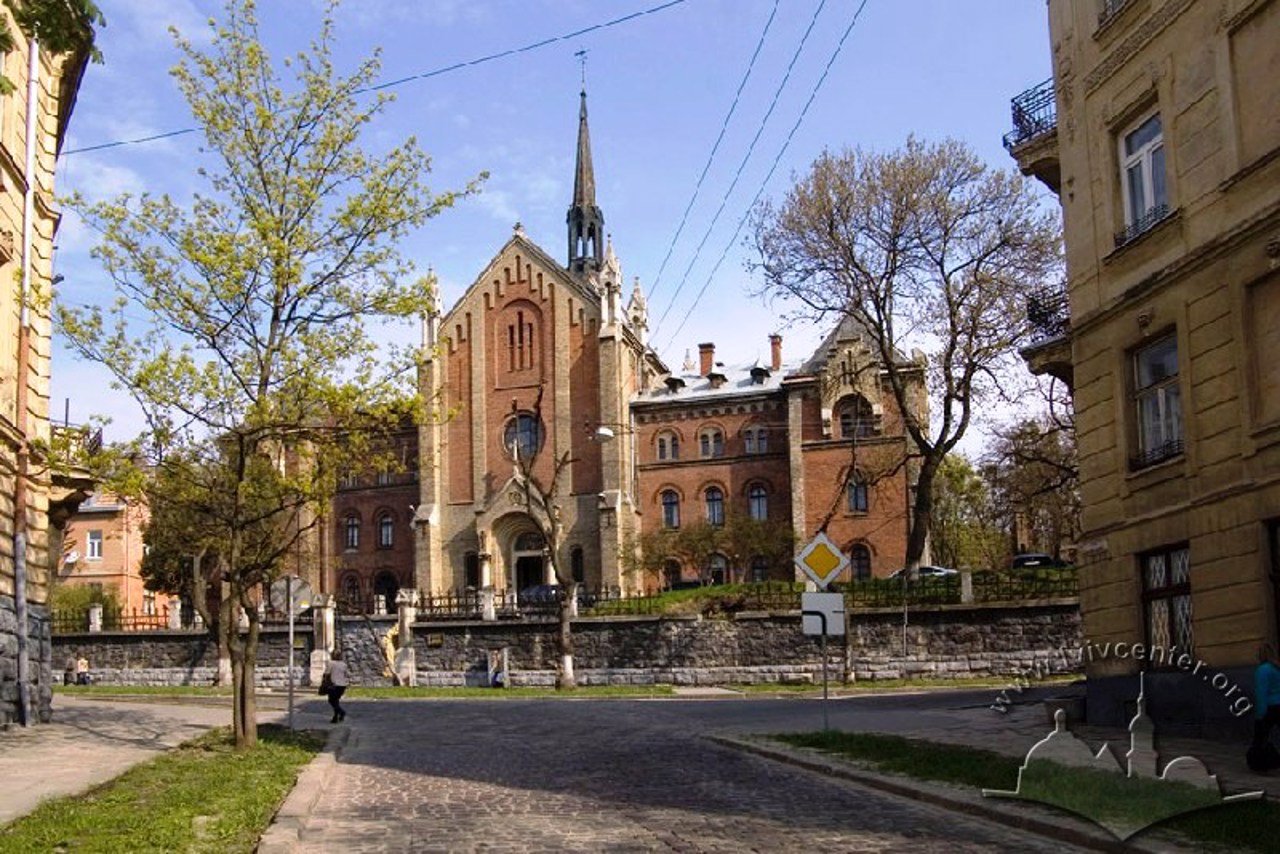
x: 202, y: 796
x: 924, y: 760
x: 1248, y: 826
x: 873, y: 685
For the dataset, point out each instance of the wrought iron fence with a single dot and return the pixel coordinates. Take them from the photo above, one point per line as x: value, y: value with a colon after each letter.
x: 113, y: 620
x: 1034, y: 112
x: 1149, y: 220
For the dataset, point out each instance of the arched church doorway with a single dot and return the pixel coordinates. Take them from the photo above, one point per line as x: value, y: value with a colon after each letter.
x: 528, y: 559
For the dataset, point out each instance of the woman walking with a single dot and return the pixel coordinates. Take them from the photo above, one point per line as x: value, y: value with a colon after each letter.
x: 337, y: 673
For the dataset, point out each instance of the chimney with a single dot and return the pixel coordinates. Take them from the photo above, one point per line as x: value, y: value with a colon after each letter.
x: 775, y: 349
x: 707, y: 357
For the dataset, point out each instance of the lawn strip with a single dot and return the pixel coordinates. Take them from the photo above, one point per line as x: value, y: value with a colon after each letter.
x: 201, y: 796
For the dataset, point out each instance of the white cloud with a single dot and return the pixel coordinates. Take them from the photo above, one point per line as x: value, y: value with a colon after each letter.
x: 498, y: 204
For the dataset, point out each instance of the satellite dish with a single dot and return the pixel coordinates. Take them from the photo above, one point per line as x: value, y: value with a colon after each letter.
x: 291, y: 586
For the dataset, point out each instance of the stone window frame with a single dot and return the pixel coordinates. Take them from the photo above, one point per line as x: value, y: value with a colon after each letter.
x: 755, y: 439
x: 711, y: 442
x: 1153, y: 176
x: 856, y: 417
x: 1167, y: 606
x: 667, y: 444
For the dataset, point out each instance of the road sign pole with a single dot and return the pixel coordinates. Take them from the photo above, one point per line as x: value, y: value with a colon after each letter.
x: 288, y: 588
x: 822, y: 615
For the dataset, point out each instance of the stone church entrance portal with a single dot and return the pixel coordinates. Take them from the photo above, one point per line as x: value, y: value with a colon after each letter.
x: 527, y: 554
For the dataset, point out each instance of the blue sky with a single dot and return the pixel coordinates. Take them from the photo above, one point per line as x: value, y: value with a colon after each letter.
x: 659, y: 87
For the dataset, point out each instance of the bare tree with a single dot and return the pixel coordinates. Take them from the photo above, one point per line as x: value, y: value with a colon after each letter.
x: 541, y: 496
x: 932, y: 251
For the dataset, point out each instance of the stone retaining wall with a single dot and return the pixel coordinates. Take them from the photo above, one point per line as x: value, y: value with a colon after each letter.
x: 944, y: 642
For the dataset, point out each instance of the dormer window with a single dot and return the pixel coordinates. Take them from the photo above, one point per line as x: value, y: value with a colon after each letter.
x: 674, y: 384
x: 759, y: 375
x: 716, y: 379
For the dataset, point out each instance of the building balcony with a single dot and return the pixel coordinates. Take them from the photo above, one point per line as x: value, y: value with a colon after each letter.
x: 1049, y: 352
x: 1033, y: 142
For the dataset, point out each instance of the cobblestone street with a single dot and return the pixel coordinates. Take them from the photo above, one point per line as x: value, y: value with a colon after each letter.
x: 606, y: 775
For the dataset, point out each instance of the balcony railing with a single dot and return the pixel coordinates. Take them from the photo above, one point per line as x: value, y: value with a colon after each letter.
x: 1048, y: 313
x: 1142, y: 225
x: 1111, y: 8
x: 1160, y: 453
x: 80, y: 440
x: 1034, y: 113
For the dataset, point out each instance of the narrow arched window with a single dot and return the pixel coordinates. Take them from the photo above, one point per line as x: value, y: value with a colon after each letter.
x: 758, y: 502
x: 715, y: 506
x: 857, y: 496
x: 670, y: 509
x: 351, y: 533
x: 860, y: 562
x: 386, y: 531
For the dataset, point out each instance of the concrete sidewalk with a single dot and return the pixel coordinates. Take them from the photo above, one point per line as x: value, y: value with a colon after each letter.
x: 92, y: 741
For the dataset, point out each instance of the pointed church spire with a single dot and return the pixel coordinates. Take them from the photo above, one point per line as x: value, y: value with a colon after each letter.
x: 585, y: 219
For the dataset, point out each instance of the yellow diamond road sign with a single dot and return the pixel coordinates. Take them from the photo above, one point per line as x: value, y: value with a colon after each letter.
x: 821, y: 561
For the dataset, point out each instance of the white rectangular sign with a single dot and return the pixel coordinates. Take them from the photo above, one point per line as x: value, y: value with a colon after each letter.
x: 831, y: 605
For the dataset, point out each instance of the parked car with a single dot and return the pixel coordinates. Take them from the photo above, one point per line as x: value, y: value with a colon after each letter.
x: 1036, y: 560
x: 927, y: 571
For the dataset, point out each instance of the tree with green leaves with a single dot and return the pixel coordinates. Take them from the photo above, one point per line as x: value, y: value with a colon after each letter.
x: 60, y: 26
x: 967, y: 532
x: 930, y: 249
x: 257, y: 370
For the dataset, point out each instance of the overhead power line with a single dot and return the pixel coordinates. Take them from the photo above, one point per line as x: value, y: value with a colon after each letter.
x: 697, y: 253
x: 423, y: 76
x: 715, y: 148
x: 776, y: 160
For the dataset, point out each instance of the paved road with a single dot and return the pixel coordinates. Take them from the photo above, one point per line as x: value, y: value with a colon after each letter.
x: 614, y: 776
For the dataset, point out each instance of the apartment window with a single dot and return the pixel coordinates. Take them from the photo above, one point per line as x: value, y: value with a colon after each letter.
x: 1157, y: 402
x: 860, y: 562
x: 715, y: 506
x: 670, y: 509
x: 471, y: 569
x: 1166, y: 598
x: 351, y: 533
x: 668, y: 447
x: 148, y: 602
x: 348, y: 481
x: 93, y: 545
x: 756, y: 440
x: 711, y: 443
x: 759, y: 569
x: 384, y: 478
x: 523, y: 436
x: 758, y: 503
x: 856, y: 496
x: 1142, y: 178
x: 386, y: 531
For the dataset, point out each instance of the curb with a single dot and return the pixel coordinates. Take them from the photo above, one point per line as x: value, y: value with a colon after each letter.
x: 939, y: 795
x: 283, y: 835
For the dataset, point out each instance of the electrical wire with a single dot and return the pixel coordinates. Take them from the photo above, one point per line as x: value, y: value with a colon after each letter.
x: 776, y: 160
x: 423, y: 76
x: 724, y: 126
x: 742, y: 166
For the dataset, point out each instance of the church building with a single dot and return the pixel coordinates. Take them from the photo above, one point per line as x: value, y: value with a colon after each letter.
x: 542, y: 370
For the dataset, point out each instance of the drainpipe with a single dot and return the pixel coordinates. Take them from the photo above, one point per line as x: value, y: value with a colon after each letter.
x: 22, y: 419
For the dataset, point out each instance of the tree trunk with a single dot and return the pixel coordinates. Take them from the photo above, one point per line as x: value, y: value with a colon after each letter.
x: 922, y: 512
x: 244, y: 651
x: 565, y: 679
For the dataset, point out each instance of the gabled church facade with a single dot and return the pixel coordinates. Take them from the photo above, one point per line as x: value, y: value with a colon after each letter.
x: 533, y: 359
